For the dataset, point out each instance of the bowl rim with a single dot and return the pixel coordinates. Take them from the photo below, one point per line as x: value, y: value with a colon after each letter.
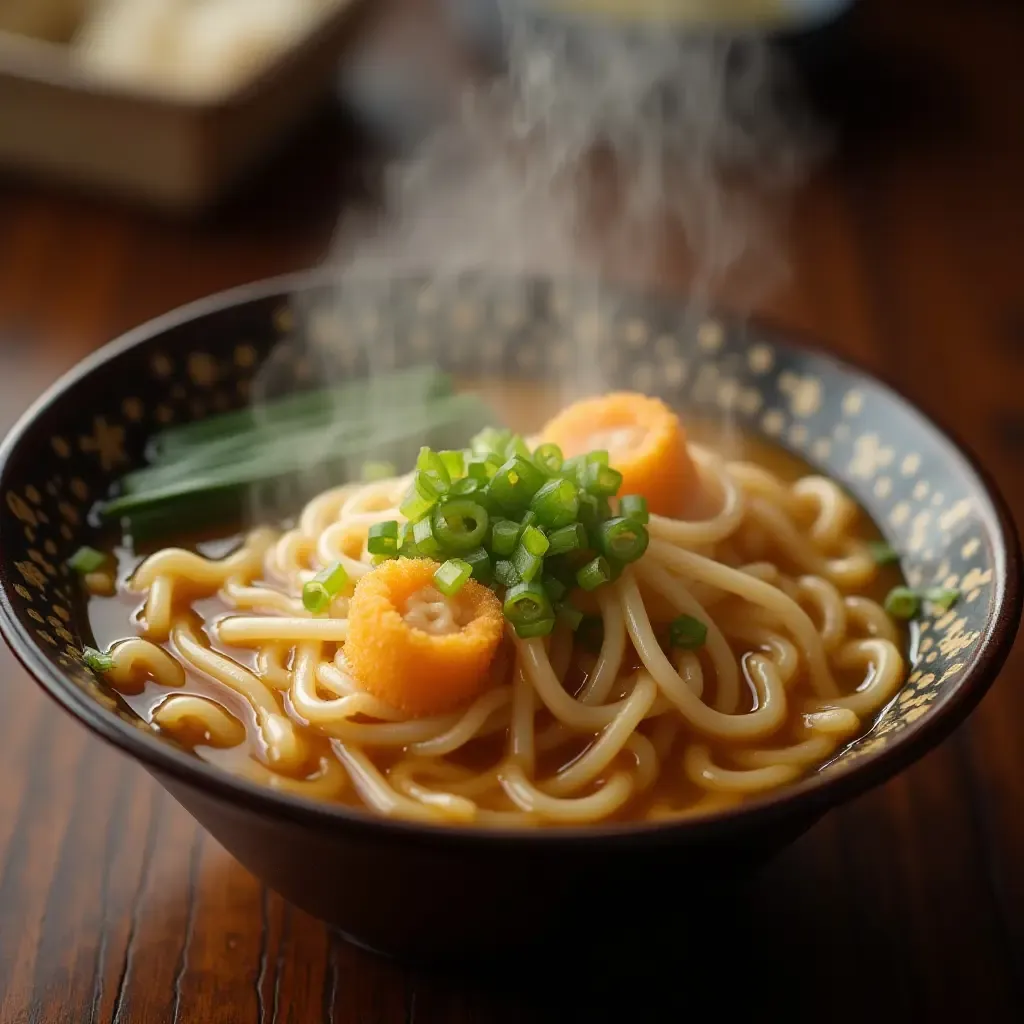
x: 811, y: 796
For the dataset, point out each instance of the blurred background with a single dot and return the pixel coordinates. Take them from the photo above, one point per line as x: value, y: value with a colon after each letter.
x: 155, y: 151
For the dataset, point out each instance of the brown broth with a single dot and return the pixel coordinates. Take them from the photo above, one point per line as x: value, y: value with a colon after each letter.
x: 523, y: 408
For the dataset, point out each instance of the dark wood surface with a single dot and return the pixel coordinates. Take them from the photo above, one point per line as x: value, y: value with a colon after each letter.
x: 908, y: 253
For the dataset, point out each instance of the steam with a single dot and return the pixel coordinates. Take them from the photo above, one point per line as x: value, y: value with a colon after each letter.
x: 601, y: 154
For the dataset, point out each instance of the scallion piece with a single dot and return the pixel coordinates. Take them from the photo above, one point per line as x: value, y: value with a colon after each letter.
x: 634, y: 506
x: 86, y: 560
x: 570, y: 615
x: 514, y: 485
x: 548, y: 458
x: 420, y: 499
x: 460, y: 526
x: 480, y: 562
x: 903, y: 603
x: 424, y: 539
x: 882, y: 553
x: 506, y: 574
x: 504, y: 535
x: 407, y: 547
x: 318, y: 592
x: 594, y: 573
x: 517, y: 446
x: 600, y: 480
x: 465, y: 488
x: 482, y: 467
x: 528, y: 565
x: 97, y: 660
x: 556, y: 504
x: 491, y: 441
x: 555, y: 588
x: 688, y: 633
x: 528, y: 608
x: 431, y: 465
x: 622, y: 540
x: 568, y: 538
x: 382, y: 539
x: 451, y: 577
x: 373, y: 471
x: 454, y: 462
x: 534, y: 541
x: 942, y: 598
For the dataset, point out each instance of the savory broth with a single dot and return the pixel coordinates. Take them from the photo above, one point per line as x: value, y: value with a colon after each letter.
x: 675, y: 768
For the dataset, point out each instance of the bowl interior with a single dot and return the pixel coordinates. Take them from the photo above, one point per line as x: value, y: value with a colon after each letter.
x: 94, y: 426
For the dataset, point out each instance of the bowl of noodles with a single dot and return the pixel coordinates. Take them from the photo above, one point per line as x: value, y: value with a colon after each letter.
x: 454, y: 609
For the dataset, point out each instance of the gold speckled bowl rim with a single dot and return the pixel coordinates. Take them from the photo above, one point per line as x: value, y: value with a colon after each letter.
x: 806, y: 799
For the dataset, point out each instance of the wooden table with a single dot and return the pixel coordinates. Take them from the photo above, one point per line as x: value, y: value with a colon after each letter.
x: 908, y: 904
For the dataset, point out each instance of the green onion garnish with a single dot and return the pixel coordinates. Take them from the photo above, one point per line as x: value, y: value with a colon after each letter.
x: 480, y: 562
x: 482, y: 467
x: 86, y: 560
x: 420, y: 499
x: 554, y: 588
x: 491, y: 441
x: 556, y: 504
x: 528, y: 608
x: 903, y: 603
x: 505, y: 573
x: 568, y: 538
x: 548, y: 458
x: 465, y: 488
x: 688, y: 633
x: 942, y: 598
x: 460, y: 526
x: 373, y: 471
x: 382, y: 539
x: 517, y: 446
x: 594, y: 573
x: 882, y: 553
x: 634, y: 506
x: 424, y: 539
x: 451, y: 577
x: 407, y: 547
x: 97, y: 660
x: 527, y: 564
x: 570, y: 615
x: 622, y: 540
x: 600, y: 480
x: 454, y: 463
x: 318, y: 592
x: 534, y: 541
x: 514, y: 485
x: 504, y: 535
x: 431, y: 466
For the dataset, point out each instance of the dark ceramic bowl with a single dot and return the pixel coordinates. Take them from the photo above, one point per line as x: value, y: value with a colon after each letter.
x: 420, y: 891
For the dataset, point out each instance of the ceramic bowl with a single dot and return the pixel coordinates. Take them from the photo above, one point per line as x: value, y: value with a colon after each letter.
x: 425, y: 891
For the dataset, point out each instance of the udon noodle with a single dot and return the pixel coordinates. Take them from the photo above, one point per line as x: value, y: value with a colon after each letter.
x: 797, y: 661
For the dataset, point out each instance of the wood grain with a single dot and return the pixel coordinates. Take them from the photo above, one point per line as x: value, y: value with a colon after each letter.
x: 907, y: 253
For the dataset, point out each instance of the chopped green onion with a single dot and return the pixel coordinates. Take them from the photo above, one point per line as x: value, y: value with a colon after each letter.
x: 554, y: 588
x: 548, y: 458
x: 382, y: 539
x: 431, y: 465
x: 465, y: 487
x: 86, y: 560
x: 454, y: 463
x: 527, y: 564
x: 568, y: 538
x: 903, y: 603
x: 491, y: 441
x: 480, y: 562
x: 460, y: 526
x: 594, y: 573
x: 373, y: 471
x: 514, y: 485
x: 420, y: 499
x: 556, y: 504
x: 599, y: 480
x: 882, y: 553
x: 407, y: 548
x: 97, y: 660
x: 506, y: 574
x: 318, y: 592
x: 451, y: 577
x: 504, y: 535
x: 423, y: 537
x: 942, y: 598
x: 534, y: 541
x: 623, y: 540
x: 591, y: 633
x: 634, y: 506
x: 528, y: 608
x: 688, y: 633
x: 517, y: 446
x: 570, y: 615
x: 482, y: 467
